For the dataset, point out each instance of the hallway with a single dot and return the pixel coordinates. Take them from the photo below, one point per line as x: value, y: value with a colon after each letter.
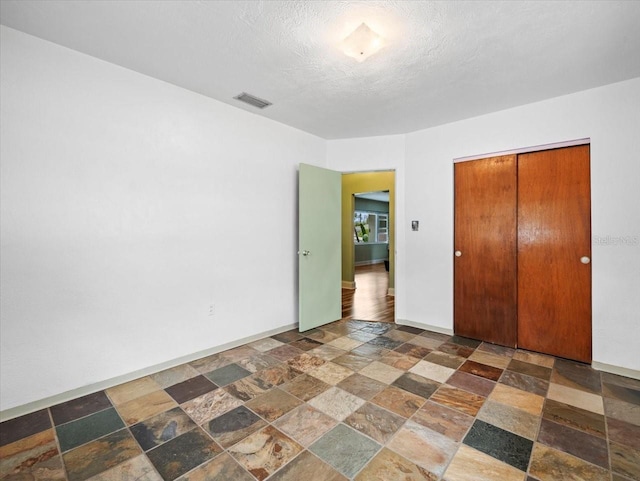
x: 369, y: 301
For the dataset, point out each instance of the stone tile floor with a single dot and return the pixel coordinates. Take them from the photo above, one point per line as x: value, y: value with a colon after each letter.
x: 351, y: 400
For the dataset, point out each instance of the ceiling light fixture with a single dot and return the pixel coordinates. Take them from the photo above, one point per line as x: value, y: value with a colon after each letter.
x: 362, y: 43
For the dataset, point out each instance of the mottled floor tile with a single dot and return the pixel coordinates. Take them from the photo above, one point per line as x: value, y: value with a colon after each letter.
x: 80, y: 407
x: 88, y: 428
x: 180, y: 455
x: 496, y: 349
x: 273, y: 404
x: 423, y: 446
x: 525, y: 382
x: 390, y: 466
x: 427, y: 342
x: 576, y: 375
x: 285, y: 352
x: 530, y: 369
x: 585, y: 446
x: 412, y: 350
x: 239, y: 353
x: 234, y: 426
x: 471, y: 383
x: 482, y: 370
x: 346, y: 343
x: 621, y: 393
x: 625, y: 460
x: 534, y: 358
x: 305, y: 387
x: 175, y: 375
x: 352, y: 361
x: 510, y: 419
x: 449, y: 422
x: 455, y: 398
x: 465, y: 341
x: 472, y: 465
x: 210, y: 363
x: 265, y: 344
x: 100, y: 455
x: 575, y: 397
x: 490, y: 359
x: 517, y: 398
x: 305, y: 424
x: 398, y: 335
x: 456, y: 349
x: 500, y: 444
x: 307, y: 466
x: 548, y: 464
x: 305, y: 362
x: 336, y: 403
x: 248, y: 387
x: 277, y: 375
x: 24, y: 426
x: 321, y: 335
x: 410, y: 329
x: 345, y: 449
x: 32, y: 458
x: 445, y: 359
x: 258, y: 362
x: 399, y: 361
x: 221, y: 468
x: 305, y: 344
x: 162, y: 428
x: 624, y: 411
x: 381, y: 372
x: 131, y: 390
x: 622, y: 381
x: 227, y: 374
x: 386, y: 342
x: 331, y: 373
x: 370, y: 351
x: 210, y: 405
x: 145, y: 407
x: 418, y: 385
x: 326, y: 352
x: 361, y: 336
x: 399, y: 401
x: 432, y: 371
x: 624, y: 433
x: 361, y: 386
x: 136, y: 469
x: 191, y: 388
x: 574, y: 417
x: 436, y: 335
x: 265, y: 451
x: 375, y: 422
x: 288, y: 336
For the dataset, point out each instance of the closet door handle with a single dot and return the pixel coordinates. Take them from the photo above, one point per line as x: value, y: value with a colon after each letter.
x: 458, y: 253
x: 585, y: 260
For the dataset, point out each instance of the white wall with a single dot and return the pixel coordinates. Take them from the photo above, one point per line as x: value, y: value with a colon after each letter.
x: 610, y: 116
x: 128, y: 206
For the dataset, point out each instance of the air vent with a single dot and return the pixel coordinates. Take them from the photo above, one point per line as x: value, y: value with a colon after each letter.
x: 251, y: 100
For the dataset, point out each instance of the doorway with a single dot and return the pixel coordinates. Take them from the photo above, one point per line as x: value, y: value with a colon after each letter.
x: 368, y: 234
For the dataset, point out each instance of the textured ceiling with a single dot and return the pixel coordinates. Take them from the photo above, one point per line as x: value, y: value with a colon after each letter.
x: 443, y: 61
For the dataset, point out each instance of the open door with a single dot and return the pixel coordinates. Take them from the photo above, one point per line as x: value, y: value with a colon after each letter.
x: 319, y: 247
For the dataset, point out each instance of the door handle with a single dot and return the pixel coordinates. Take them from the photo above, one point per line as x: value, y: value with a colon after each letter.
x: 458, y: 253
x: 305, y: 253
x: 585, y: 260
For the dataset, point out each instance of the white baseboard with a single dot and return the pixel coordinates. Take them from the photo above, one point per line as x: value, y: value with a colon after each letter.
x: 391, y: 292
x: 348, y: 284
x: 620, y: 371
x: 369, y: 262
x: 426, y: 327
x: 115, y: 381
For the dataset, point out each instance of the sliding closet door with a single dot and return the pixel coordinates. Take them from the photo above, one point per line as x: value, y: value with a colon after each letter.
x: 554, y: 252
x: 485, y: 250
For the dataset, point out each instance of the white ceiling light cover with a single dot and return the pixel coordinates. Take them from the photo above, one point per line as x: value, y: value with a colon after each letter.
x: 362, y: 43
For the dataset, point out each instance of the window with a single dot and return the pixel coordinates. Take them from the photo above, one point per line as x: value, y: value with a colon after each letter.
x: 370, y: 227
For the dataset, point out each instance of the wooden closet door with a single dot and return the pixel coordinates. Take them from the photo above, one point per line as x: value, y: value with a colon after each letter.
x: 485, y: 237
x: 554, y: 246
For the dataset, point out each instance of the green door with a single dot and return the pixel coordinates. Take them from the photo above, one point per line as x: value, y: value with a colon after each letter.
x: 319, y: 247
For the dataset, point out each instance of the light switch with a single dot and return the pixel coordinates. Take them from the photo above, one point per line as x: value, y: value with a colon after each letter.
x: 415, y: 224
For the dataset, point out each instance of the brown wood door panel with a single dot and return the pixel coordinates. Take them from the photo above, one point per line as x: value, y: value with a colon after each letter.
x: 554, y: 232
x: 485, y: 233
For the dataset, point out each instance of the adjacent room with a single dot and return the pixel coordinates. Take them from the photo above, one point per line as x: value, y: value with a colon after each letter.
x: 328, y: 240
